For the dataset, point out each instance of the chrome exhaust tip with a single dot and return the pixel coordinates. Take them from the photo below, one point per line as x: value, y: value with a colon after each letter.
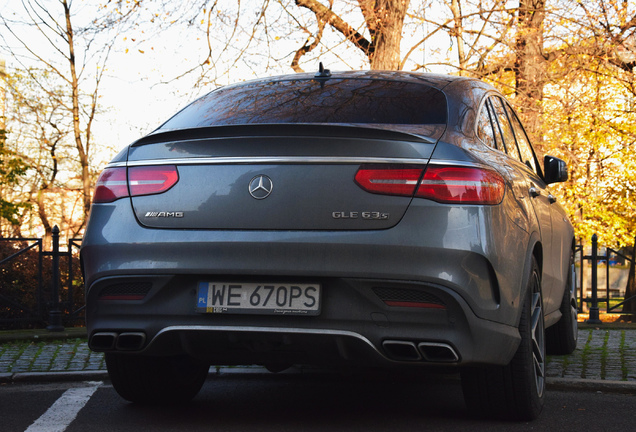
x: 130, y: 341
x: 102, y: 341
x: 438, y: 352
x: 401, y: 350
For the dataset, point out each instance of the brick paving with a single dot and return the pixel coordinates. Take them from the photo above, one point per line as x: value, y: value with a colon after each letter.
x: 58, y: 356
x: 601, y: 354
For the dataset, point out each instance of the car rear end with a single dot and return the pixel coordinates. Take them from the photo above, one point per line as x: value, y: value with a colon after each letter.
x: 255, y: 230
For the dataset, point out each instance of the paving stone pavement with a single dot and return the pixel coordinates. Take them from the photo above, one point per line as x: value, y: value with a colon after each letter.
x: 49, y: 356
x: 601, y: 354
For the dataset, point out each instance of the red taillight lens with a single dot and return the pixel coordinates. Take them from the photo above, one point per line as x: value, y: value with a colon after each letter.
x: 388, y: 180
x: 444, y: 184
x: 461, y: 185
x: 152, y: 179
x: 113, y: 183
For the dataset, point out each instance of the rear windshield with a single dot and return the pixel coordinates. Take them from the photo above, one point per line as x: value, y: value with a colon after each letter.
x: 341, y: 101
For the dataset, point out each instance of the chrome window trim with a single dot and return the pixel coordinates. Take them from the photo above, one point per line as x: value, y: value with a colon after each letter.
x: 265, y: 160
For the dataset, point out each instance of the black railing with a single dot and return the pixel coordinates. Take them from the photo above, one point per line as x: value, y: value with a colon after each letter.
x: 594, y: 300
x: 40, y: 288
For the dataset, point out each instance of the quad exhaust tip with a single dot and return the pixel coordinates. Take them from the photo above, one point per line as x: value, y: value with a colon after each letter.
x: 438, y: 352
x: 434, y: 352
x: 104, y: 341
x: 402, y: 350
x: 109, y: 341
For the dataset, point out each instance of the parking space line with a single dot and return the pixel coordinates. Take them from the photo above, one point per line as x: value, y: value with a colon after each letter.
x: 60, y: 415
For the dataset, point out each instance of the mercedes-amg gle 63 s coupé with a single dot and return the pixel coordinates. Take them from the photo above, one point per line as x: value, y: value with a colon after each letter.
x: 355, y: 219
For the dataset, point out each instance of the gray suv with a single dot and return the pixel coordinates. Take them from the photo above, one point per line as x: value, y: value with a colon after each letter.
x: 355, y: 219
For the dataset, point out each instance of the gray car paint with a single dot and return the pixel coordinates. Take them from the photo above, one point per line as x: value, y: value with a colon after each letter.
x: 477, y: 257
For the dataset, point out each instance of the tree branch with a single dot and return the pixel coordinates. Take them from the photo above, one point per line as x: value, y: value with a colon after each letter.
x: 308, y: 47
x: 328, y: 16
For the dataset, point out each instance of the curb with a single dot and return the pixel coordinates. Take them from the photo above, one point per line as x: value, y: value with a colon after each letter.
x: 52, y: 377
x: 601, y: 386
x: 42, y: 335
x: 102, y: 375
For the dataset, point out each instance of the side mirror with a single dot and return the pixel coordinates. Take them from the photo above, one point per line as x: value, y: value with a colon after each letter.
x: 555, y: 170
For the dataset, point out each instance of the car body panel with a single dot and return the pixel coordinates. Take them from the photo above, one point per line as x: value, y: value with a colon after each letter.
x: 471, y: 261
x: 218, y: 197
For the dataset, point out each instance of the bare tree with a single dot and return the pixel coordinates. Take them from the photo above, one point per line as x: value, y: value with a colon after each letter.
x: 44, y: 36
x: 383, y: 19
x: 530, y: 64
x: 264, y: 29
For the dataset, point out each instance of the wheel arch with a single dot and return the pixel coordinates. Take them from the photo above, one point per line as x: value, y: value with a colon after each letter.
x: 534, y: 251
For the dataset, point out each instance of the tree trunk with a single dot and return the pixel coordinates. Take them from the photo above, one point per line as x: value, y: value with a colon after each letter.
x: 530, y: 65
x: 630, y: 291
x: 384, y: 19
x: 48, y: 230
x: 77, y: 131
x: 458, y: 33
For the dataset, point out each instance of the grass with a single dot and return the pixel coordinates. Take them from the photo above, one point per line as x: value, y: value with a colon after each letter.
x: 624, y: 368
x: 604, y: 355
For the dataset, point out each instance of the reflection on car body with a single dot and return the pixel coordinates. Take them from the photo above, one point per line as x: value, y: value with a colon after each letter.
x: 382, y: 219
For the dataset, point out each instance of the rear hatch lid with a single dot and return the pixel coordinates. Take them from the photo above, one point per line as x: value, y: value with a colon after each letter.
x: 283, y: 153
x: 275, y: 177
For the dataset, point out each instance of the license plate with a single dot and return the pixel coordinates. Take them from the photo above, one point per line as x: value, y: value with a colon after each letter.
x: 259, y: 298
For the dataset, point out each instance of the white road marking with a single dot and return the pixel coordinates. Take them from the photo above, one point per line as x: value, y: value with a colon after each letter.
x: 65, y: 409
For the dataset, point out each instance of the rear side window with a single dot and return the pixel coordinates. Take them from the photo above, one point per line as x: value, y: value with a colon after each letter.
x: 342, y: 101
x: 506, y: 128
x: 485, y: 129
x: 527, y: 154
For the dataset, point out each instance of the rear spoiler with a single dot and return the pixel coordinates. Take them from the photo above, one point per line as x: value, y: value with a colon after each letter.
x: 425, y: 134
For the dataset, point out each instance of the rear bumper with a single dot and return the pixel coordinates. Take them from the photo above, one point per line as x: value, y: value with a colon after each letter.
x: 355, y: 327
x: 437, y: 244
x: 444, y: 251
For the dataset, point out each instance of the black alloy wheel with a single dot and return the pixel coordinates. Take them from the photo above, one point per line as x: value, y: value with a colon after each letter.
x: 515, y: 391
x: 561, y: 338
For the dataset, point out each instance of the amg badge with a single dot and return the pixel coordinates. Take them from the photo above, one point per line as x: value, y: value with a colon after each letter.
x: 164, y: 214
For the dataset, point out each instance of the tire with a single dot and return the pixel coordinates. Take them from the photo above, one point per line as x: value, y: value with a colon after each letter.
x: 515, y: 391
x: 156, y: 380
x: 561, y: 337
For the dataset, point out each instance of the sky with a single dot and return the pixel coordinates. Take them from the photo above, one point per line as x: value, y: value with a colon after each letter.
x: 139, y: 91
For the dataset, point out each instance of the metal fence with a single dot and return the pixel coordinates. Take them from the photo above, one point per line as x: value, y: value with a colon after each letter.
x: 589, y: 292
x: 40, y: 288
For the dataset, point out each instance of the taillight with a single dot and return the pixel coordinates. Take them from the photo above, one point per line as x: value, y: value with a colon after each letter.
x: 444, y: 184
x: 152, y: 179
x: 111, y: 185
x: 115, y: 183
x: 461, y: 185
x: 389, y: 180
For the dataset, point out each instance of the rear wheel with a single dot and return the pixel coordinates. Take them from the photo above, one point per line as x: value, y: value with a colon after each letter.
x: 156, y: 380
x: 515, y: 391
x: 561, y: 337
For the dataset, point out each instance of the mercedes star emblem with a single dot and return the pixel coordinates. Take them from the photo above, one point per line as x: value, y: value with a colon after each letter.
x: 261, y: 187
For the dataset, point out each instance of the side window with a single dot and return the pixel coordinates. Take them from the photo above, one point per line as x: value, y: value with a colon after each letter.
x: 527, y: 154
x: 506, y: 128
x: 485, y: 131
x: 493, y: 120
